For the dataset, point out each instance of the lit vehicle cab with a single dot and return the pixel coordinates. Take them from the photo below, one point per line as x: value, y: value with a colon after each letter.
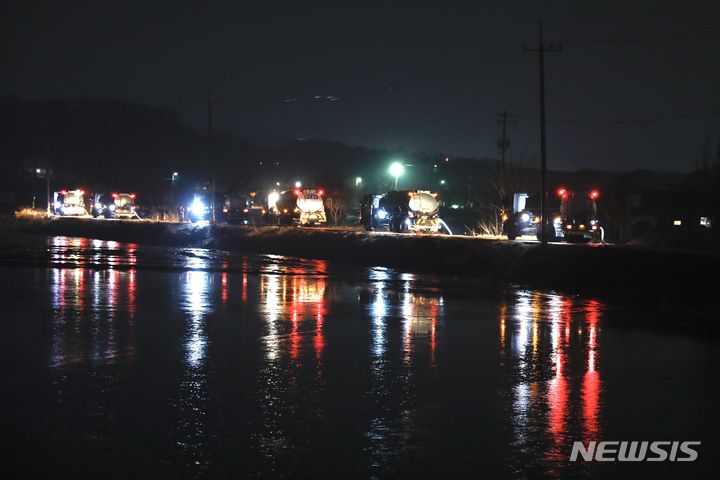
x: 69, y: 203
x: 578, y: 216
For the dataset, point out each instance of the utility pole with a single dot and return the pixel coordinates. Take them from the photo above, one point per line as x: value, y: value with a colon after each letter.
x: 504, y: 141
x: 211, y: 158
x: 47, y: 174
x: 541, y: 49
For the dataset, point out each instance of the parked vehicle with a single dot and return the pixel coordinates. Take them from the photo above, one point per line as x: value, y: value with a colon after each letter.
x: 525, y: 219
x: 113, y: 205
x: 69, y: 203
x: 401, y: 211
x: 199, y: 209
x: 236, y: 209
x: 578, y: 216
x: 300, y: 206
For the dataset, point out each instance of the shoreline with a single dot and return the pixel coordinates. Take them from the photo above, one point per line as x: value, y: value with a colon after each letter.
x: 631, y: 275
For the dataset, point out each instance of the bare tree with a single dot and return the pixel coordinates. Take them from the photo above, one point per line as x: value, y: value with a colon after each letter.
x: 493, y: 195
x: 335, y: 207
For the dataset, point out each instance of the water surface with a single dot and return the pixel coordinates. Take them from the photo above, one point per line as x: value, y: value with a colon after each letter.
x: 122, y: 361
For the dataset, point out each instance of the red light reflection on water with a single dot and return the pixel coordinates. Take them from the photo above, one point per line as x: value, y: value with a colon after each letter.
x: 562, y: 399
x: 591, y: 380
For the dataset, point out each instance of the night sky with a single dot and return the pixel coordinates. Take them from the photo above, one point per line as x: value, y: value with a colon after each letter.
x: 636, y: 85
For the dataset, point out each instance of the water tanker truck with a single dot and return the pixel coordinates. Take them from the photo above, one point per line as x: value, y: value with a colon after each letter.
x: 300, y: 206
x: 113, y: 205
x: 401, y: 211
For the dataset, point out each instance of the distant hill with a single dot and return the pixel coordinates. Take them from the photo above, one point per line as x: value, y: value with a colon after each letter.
x: 101, y: 144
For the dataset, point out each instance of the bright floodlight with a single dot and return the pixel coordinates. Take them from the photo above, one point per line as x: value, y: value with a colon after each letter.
x: 298, y: 184
x: 396, y: 169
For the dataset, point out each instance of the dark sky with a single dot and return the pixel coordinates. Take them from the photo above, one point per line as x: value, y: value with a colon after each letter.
x: 424, y: 75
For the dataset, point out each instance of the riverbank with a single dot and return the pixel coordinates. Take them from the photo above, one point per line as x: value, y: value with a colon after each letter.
x: 620, y: 273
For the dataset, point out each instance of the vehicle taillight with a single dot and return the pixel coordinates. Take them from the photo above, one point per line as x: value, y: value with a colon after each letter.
x: 297, y: 193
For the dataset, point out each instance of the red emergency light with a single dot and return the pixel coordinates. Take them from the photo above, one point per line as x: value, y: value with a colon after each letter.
x: 561, y: 192
x: 297, y: 193
x: 63, y: 192
x: 132, y: 195
x: 321, y: 192
x: 594, y: 194
x: 114, y: 195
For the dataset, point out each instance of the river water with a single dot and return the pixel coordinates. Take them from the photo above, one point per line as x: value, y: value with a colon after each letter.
x: 124, y: 361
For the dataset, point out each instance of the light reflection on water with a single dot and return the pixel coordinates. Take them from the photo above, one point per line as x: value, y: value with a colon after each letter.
x: 86, y: 305
x: 549, y: 400
x: 549, y: 355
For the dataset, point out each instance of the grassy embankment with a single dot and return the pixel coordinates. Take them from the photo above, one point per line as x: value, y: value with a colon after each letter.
x: 624, y: 274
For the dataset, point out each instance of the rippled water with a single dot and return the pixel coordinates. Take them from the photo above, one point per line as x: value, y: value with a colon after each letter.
x: 126, y: 361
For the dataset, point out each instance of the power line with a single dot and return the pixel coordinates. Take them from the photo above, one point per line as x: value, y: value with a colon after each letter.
x: 636, y: 121
x: 696, y: 33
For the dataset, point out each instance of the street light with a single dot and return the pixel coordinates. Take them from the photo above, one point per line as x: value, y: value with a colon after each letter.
x: 298, y: 184
x: 173, y: 177
x: 442, y: 182
x: 396, y: 169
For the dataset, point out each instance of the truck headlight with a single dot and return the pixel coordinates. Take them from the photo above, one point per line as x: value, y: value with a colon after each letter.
x: 525, y: 217
x: 197, y: 207
x: 381, y: 214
